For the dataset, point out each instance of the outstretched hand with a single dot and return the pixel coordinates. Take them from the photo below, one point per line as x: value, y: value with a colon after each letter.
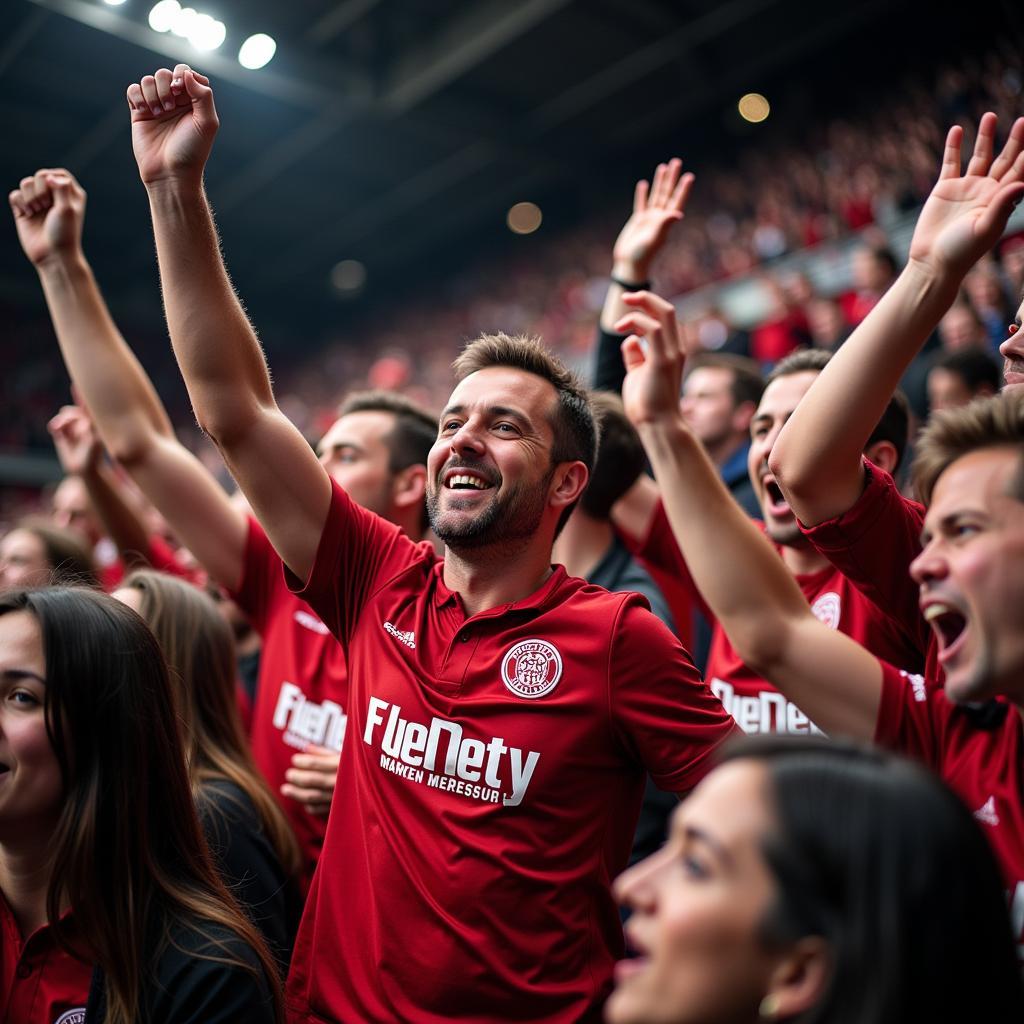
x: 174, y: 122
x: 967, y: 213
x: 49, y: 209
x: 654, y: 354
x: 74, y: 436
x: 655, y: 209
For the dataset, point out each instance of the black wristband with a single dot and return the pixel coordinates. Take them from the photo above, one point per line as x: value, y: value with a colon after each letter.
x: 640, y: 286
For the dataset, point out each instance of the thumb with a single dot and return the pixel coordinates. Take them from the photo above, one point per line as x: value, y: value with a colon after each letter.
x: 994, y: 219
x: 199, y: 92
x: 60, y: 185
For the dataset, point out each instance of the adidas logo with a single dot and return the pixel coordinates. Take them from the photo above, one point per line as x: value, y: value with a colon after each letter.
x: 986, y: 813
x: 407, y: 637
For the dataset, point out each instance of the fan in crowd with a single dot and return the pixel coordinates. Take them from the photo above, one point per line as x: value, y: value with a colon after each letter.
x: 471, y: 683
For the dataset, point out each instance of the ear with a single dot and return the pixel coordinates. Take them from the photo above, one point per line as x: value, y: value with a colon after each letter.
x: 741, y: 417
x: 569, y: 482
x: 409, y: 486
x: 883, y: 454
x: 800, y: 979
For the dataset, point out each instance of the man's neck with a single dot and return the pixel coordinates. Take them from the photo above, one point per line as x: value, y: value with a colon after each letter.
x: 803, y: 559
x: 501, y: 574
x: 583, y: 543
x: 24, y: 880
x: 722, y: 451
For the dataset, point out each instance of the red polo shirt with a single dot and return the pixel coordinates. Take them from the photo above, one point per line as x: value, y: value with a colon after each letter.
x: 978, y: 753
x: 873, y: 544
x: 302, y: 690
x: 754, y: 702
x: 495, y: 765
x: 40, y: 983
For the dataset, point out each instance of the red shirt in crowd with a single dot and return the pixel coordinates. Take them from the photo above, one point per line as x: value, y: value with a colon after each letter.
x: 495, y: 765
x: 40, y: 983
x: 754, y: 702
x: 978, y: 752
x: 302, y: 692
x: 873, y: 544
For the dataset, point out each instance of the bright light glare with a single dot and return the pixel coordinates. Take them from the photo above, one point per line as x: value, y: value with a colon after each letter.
x: 161, y: 18
x: 524, y: 218
x: 754, y: 108
x: 181, y: 24
x: 206, y: 33
x: 348, y: 276
x: 257, y: 51
x: 113, y: 3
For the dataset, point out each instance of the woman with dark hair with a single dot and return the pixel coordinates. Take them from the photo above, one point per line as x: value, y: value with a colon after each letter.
x: 104, y: 871
x: 249, y: 836
x: 818, y: 883
x: 35, y: 553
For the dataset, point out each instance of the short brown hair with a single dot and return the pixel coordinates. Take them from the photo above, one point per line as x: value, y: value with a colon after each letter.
x: 620, y: 456
x: 996, y: 422
x: 747, y: 380
x: 415, y: 429
x: 573, y: 424
x: 894, y: 426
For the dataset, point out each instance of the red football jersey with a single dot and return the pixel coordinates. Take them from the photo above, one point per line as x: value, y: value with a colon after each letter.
x: 982, y: 763
x: 873, y: 544
x: 302, y: 691
x: 495, y: 766
x: 754, y: 702
x: 40, y: 983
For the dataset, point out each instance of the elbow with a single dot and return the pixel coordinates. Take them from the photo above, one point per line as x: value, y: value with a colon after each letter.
x: 229, y: 424
x: 128, y: 449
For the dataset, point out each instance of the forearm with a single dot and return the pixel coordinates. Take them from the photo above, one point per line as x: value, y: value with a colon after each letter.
x: 113, y: 385
x: 743, y: 580
x: 817, y: 458
x: 216, y: 347
x: 120, y: 518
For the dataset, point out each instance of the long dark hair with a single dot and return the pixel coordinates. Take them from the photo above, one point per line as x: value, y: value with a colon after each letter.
x: 879, y: 858
x: 128, y: 853
x: 200, y: 654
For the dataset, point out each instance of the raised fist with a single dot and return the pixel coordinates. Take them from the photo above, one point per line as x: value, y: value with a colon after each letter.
x: 174, y: 122
x: 74, y: 437
x: 49, y: 209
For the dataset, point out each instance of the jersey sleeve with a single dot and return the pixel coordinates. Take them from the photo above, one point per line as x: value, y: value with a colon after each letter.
x: 164, y: 558
x: 358, y: 551
x: 873, y: 544
x: 662, y: 711
x: 261, y: 578
x: 911, y: 715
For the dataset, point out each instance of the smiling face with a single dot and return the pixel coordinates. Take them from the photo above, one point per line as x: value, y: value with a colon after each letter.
x: 698, y: 905
x: 490, y: 471
x: 971, y: 575
x: 777, y: 403
x: 1012, y: 351
x: 31, y: 788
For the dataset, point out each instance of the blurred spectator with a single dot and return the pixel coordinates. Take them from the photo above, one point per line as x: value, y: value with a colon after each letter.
x: 874, y: 269
x: 984, y: 289
x: 955, y: 378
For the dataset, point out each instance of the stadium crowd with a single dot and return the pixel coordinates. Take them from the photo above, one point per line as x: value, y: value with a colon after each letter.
x: 396, y: 731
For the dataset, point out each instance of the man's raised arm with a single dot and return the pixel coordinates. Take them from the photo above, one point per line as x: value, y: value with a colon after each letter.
x: 833, y: 680
x: 817, y: 459
x: 49, y: 210
x: 173, y: 125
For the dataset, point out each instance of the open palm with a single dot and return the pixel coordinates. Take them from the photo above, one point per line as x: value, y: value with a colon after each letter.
x: 966, y: 213
x: 655, y: 209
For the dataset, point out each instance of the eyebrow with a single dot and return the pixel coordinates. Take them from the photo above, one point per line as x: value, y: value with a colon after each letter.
x: 335, y: 445
x: 15, y: 674
x: 948, y: 520
x: 492, y: 410
x: 692, y: 832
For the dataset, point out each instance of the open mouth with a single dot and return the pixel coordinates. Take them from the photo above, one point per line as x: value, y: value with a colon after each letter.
x: 949, y: 626
x: 775, y: 501
x: 462, y: 479
x: 4, y: 769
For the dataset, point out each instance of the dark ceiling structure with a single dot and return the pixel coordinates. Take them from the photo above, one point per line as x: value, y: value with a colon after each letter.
x: 393, y: 132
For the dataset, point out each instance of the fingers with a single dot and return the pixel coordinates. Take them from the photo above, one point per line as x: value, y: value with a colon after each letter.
x: 326, y: 763
x: 640, y: 196
x: 632, y: 352
x: 165, y: 91
x: 322, y: 782
x: 993, y: 219
x: 314, y: 800
x: 1008, y: 159
x: 681, y: 193
x: 984, y: 145
x: 951, y: 154
x: 653, y: 318
x: 664, y: 183
x: 151, y: 96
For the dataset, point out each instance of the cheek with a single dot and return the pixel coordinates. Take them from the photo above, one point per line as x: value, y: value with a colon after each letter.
x: 38, y: 772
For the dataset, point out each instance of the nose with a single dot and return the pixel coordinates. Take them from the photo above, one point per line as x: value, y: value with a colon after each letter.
x: 930, y: 564
x: 1013, y: 347
x: 636, y: 887
x: 467, y: 439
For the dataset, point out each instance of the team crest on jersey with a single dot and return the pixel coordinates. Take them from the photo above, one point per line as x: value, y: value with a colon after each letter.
x: 827, y: 608
x: 531, y: 669
x: 76, y: 1016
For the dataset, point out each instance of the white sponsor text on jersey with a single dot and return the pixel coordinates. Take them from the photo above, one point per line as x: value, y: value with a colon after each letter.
x: 305, y: 722
x: 765, y: 711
